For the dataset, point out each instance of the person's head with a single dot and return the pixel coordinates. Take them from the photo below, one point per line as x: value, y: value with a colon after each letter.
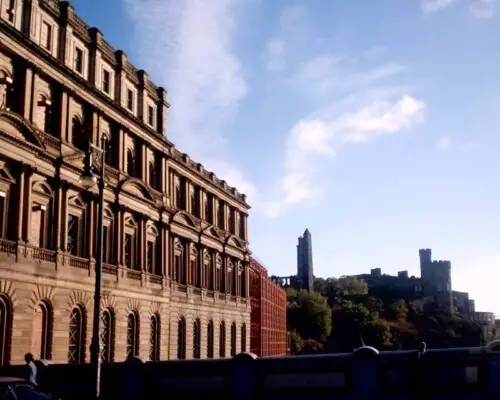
x: 422, y: 346
x: 29, y: 357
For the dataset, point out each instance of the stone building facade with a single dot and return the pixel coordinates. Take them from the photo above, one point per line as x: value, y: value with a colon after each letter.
x: 176, y: 259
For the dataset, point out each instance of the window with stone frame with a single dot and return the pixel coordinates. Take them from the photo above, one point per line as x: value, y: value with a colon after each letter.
x: 231, y: 274
x: 3, y: 214
x: 77, y: 335
x: 193, y: 267
x: 181, y: 339
x: 75, y: 230
x: 8, y: 98
x: 241, y: 225
x: 197, y: 339
x: 243, y: 339
x: 8, y: 202
x: 131, y: 163
x: 179, y: 270
x: 232, y: 221
x: 130, y: 100
x: 233, y: 339
x: 108, y: 256
x: 78, y: 60
x: 208, y: 274
x: 106, y: 81
x: 242, y: 281
x: 46, y: 35
x: 108, y: 336
x: 152, y: 264
x: 78, y: 134
x: 239, y: 276
x: 180, y: 193
x: 218, y: 274
x: 133, y: 332
x: 131, y: 243
x: 151, y: 115
x: 210, y: 339
x: 6, y: 317
x: 221, y: 214
x: 41, y: 342
x: 155, y: 338
x: 41, y: 216
x: 209, y: 211
x: 152, y: 178
x: 43, y: 113
x: 222, y: 340
x: 11, y: 11
x: 195, y: 204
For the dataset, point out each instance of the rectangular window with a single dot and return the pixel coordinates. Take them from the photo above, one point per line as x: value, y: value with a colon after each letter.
x: 11, y: 11
x: 151, y: 115
x: 128, y: 251
x: 130, y: 100
x: 46, y: 36
x: 150, y: 258
x: 79, y: 60
x: 106, y: 81
x: 72, y: 235
x: 221, y: 215
x: 105, y: 244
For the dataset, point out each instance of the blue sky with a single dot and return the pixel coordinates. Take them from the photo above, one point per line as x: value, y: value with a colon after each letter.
x: 373, y: 123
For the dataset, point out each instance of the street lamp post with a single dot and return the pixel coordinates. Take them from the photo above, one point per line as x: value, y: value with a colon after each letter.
x: 88, y: 180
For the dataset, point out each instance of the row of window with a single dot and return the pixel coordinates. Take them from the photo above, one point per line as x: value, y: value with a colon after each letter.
x: 47, y: 38
x: 42, y: 335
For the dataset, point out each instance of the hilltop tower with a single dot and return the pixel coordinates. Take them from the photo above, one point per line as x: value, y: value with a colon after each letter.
x: 436, y: 279
x: 305, y: 275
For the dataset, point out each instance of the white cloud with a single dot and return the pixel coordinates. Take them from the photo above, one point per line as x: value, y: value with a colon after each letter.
x: 444, y: 143
x: 432, y: 6
x: 312, y: 139
x: 483, y: 8
x: 188, y: 46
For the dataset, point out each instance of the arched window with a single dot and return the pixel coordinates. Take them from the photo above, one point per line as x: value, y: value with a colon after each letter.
x: 130, y: 163
x: 77, y: 134
x: 243, y: 338
x: 41, y: 342
x: 181, y: 339
x: 108, y: 336
x: 5, y: 329
x: 77, y: 335
x: 132, y: 335
x: 233, y: 339
x: 154, y: 340
x: 197, y: 339
x: 210, y: 339
x: 222, y: 340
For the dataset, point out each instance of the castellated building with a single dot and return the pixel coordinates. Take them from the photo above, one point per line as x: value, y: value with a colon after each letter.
x: 176, y: 259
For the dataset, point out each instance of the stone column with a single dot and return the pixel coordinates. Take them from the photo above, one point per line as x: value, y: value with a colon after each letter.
x: 63, y: 115
x: 201, y: 265
x: 119, y: 235
x: 91, y: 228
x: 142, y: 244
x: 142, y: 95
x: 163, y: 176
x: 121, y: 148
x: 162, y: 111
x: 120, y: 76
x: 29, y: 86
x: 144, y: 162
x: 187, y: 262
x: 94, y: 62
x: 64, y: 219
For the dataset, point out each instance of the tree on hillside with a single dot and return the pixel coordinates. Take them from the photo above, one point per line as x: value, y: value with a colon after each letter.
x: 310, y: 316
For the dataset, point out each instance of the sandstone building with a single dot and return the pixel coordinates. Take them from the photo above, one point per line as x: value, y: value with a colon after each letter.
x: 268, y: 334
x: 175, y: 278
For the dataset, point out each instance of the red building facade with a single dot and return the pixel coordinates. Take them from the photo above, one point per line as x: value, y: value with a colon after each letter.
x: 268, y: 335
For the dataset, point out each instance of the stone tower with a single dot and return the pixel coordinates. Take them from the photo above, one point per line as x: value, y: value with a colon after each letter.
x: 436, y: 279
x: 305, y: 275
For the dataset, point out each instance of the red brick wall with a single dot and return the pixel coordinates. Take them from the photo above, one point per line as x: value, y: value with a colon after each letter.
x: 268, y: 335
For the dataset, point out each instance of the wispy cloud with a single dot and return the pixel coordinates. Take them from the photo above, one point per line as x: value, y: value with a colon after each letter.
x: 313, y: 139
x: 477, y: 8
x: 432, y: 6
x: 189, y: 47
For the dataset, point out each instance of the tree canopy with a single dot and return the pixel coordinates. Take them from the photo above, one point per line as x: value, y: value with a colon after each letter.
x: 342, y: 315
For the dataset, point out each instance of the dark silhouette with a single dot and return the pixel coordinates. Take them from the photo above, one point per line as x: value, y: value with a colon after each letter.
x: 420, y: 372
x: 32, y: 370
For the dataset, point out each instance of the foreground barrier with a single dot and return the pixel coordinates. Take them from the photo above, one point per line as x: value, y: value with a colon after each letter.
x: 470, y: 373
